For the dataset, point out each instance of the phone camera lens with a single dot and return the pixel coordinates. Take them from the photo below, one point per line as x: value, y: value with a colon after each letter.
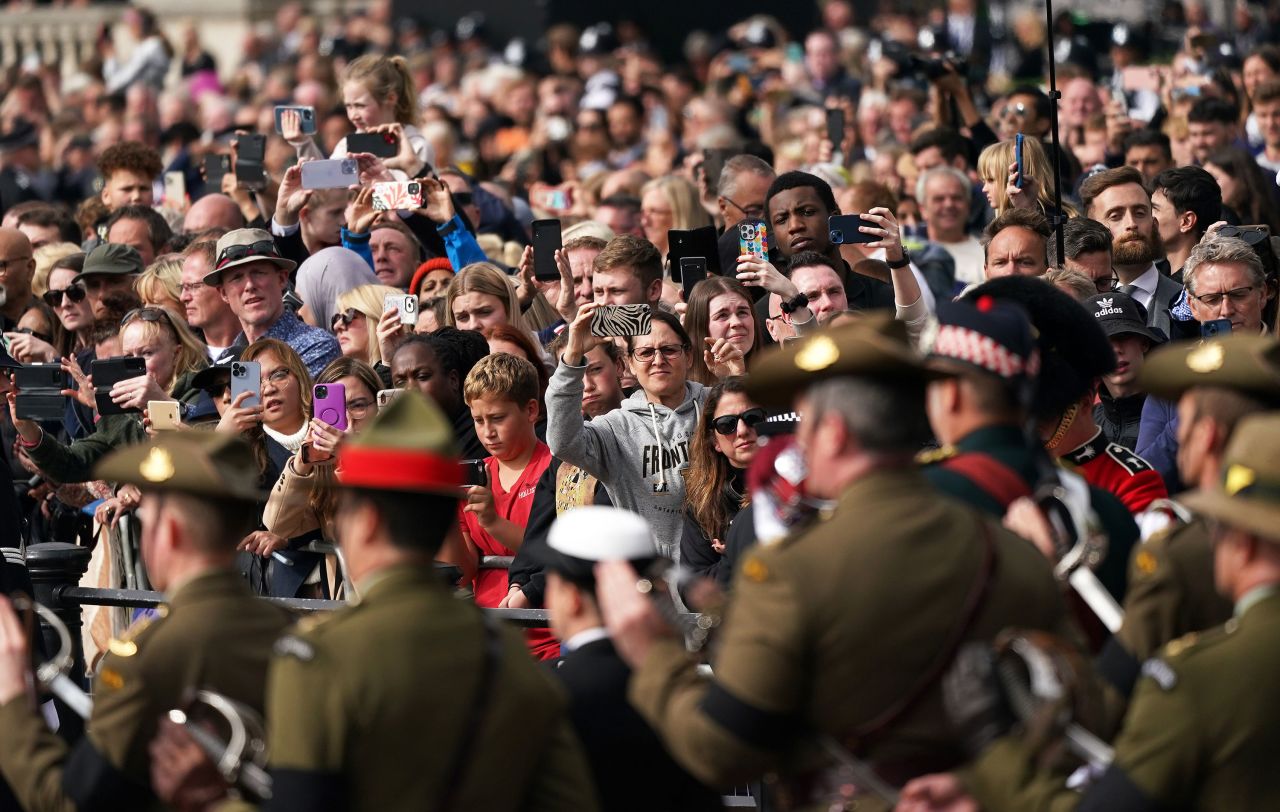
x: 415, y: 188
x: 322, y: 391
x: 238, y: 371
x: 837, y: 237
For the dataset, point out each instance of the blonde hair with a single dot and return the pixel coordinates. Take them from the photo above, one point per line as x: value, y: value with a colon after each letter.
x: 683, y: 197
x: 502, y: 375
x: 385, y: 76
x: 45, y: 257
x: 161, y: 280
x: 484, y: 277
x: 368, y: 299
x: 993, y: 167
x: 191, y: 355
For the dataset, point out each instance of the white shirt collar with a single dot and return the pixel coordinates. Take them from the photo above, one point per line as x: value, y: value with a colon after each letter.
x: 1146, y: 285
x: 582, y: 638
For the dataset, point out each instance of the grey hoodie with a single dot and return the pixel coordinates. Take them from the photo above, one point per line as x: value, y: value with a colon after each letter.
x: 638, y: 450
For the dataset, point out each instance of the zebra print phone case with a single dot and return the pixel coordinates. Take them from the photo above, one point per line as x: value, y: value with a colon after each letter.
x: 622, y: 320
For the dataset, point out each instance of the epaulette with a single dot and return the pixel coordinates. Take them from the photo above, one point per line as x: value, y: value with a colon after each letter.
x: 1127, y: 459
x: 933, y: 456
x: 1198, y: 641
x: 126, y: 644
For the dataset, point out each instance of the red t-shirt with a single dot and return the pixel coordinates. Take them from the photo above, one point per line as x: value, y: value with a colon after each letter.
x: 1116, y: 469
x: 491, y: 586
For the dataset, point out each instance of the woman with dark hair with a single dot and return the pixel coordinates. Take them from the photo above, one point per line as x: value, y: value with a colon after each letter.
x: 719, y: 307
x: 638, y: 450
x: 435, y: 365
x: 1247, y: 189
x: 715, y: 481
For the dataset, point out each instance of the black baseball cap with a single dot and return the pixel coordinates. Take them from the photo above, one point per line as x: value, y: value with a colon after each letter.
x: 1120, y: 314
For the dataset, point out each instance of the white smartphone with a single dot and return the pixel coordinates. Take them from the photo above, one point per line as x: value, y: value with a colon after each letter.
x: 175, y: 190
x: 385, y: 396
x: 406, y: 303
x: 332, y: 174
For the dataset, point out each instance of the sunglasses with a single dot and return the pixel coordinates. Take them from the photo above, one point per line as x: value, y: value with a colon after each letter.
x: 727, y: 424
x: 149, y: 314
x: 262, y: 248
x: 75, y: 293
x: 344, y: 318
x: 1251, y: 235
x: 28, y: 331
x: 462, y: 198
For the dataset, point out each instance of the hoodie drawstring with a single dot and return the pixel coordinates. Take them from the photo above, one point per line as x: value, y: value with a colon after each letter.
x: 662, y: 469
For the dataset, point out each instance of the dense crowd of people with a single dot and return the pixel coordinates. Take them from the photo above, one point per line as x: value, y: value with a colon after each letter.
x: 785, y: 267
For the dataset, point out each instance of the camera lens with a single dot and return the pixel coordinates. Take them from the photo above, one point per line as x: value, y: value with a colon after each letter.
x: 322, y: 391
x: 837, y: 238
x: 238, y: 371
x: 415, y: 188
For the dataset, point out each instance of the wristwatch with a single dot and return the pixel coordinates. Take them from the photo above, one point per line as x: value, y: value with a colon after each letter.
x: 902, y: 263
x: 795, y: 303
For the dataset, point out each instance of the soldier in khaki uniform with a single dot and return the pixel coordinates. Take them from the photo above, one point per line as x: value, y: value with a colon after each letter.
x: 409, y: 698
x: 198, y: 496
x: 1171, y: 591
x: 1204, y: 725
x: 843, y: 630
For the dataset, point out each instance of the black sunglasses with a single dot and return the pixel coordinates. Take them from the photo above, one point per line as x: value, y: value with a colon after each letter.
x: 261, y: 248
x: 727, y: 424
x: 28, y: 331
x: 462, y: 198
x: 1251, y: 235
x: 75, y: 293
x: 344, y: 318
x: 146, y: 314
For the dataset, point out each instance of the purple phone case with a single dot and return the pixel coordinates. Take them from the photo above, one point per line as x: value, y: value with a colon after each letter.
x: 332, y: 408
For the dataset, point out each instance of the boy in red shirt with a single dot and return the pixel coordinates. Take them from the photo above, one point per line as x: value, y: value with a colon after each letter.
x: 502, y: 393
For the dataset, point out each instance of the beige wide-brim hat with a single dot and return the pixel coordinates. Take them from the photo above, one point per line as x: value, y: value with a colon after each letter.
x: 246, y: 238
x: 1248, y: 495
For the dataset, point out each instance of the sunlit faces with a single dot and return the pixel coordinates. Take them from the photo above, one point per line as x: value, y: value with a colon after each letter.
x: 73, y: 315
x: 601, y: 387
x: 281, y: 394
x: 739, y: 447
x: 1016, y: 251
x: 822, y: 287
x: 1227, y: 290
x: 363, y: 110
x: 478, y: 311
x: 125, y: 188
x: 798, y: 221
x: 730, y: 317
x: 255, y: 292
x: 660, y: 362
x: 353, y: 335
x: 416, y: 366
x: 154, y: 345
x: 361, y: 403
x: 504, y: 427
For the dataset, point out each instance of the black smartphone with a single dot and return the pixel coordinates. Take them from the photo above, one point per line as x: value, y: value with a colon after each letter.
x: 1215, y: 328
x: 546, y: 241
x: 835, y: 126
x: 251, y: 175
x: 693, y: 242
x: 692, y: 271
x: 382, y: 145
x: 40, y: 378
x: 106, y: 374
x: 1018, y: 140
x: 215, y: 168
x: 844, y: 229
x: 474, y: 472
x: 251, y: 149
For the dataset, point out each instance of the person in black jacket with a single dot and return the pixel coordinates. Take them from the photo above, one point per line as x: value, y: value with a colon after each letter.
x: 1119, y: 410
x: 715, y: 481
x: 632, y: 769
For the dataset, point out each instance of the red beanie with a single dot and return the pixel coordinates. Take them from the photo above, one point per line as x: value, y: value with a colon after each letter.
x: 433, y: 264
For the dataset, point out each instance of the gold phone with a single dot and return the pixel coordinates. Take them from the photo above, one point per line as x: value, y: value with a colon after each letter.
x: 164, y: 415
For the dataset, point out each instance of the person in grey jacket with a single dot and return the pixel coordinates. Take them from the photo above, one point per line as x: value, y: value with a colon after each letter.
x: 638, y: 451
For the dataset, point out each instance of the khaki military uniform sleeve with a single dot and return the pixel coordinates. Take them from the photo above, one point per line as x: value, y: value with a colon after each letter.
x: 288, y: 513
x: 1005, y: 779
x: 307, y: 726
x: 1151, y: 606
x: 32, y: 758
x: 734, y: 726
x: 562, y: 778
x: 1159, y: 747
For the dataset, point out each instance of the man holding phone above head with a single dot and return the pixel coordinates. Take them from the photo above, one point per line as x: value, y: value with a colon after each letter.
x: 251, y: 278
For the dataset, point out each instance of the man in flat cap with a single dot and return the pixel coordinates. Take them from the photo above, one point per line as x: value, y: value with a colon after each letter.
x: 632, y: 770
x: 839, y: 634
x: 1204, y: 725
x: 410, y: 698
x: 197, y: 504
x: 1215, y: 384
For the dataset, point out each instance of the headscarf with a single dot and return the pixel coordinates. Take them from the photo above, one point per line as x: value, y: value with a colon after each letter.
x: 326, y: 275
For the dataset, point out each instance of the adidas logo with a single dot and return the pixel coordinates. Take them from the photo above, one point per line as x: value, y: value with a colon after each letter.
x: 1106, y: 307
x: 1105, y: 302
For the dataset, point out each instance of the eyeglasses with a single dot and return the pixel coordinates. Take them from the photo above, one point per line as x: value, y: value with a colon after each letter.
x: 727, y: 424
x: 1106, y: 284
x: 1236, y: 295
x: 753, y: 212
x: 261, y: 248
x: 277, y: 376
x: 191, y: 287
x: 359, y: 408
x: 669, y: 352
x: 1018, y: 109
x: 75, y: 293
x: 462, y: 198
x: 344, y: 318
x: 28, y: 331
x: 17, y: 262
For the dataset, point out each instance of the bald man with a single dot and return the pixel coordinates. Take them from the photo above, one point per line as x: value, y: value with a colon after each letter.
x: 16, y: 269
x: 213, y: 211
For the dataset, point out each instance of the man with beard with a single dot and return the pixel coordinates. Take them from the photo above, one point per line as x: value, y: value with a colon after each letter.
x: 1117, y: 199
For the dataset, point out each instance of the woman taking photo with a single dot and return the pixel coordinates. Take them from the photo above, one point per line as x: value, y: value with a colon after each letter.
x: 720, y: 307
x: 356, y: 319
x: 304, y: 499
x: 715, y: 482
x: 71, y: 306
x: 637, y: 451
x: 172, y: 356
x: 998, y: 168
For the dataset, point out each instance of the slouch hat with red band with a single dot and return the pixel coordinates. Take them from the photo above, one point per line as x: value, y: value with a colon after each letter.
x: 407, y: 447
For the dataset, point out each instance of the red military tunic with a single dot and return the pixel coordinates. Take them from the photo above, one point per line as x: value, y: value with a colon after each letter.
x: 1118, y: 470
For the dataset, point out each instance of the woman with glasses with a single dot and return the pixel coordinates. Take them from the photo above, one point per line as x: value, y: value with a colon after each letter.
x: 715, y: 483
x: 304, y: 499
x: 639, y: 450
x: 356, y: 319
x: 172, y: 356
